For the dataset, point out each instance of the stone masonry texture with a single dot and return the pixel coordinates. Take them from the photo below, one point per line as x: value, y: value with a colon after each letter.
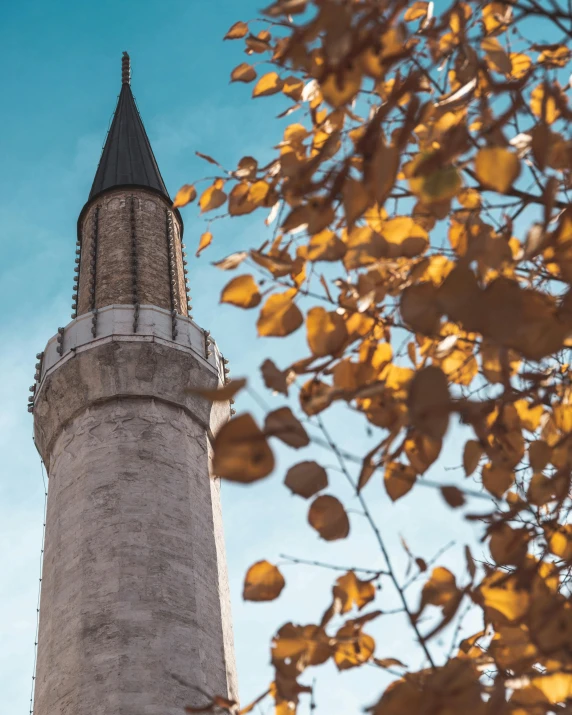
x: 114, y: 259
x: 135, y: 610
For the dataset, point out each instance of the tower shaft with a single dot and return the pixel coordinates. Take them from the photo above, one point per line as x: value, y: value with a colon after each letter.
x: 134, y: 610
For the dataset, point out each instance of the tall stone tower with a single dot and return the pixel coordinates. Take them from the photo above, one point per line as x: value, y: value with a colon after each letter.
x: 134, y: 613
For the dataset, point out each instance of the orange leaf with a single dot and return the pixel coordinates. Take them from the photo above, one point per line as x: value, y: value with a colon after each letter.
x: 326, y: 331
x: 269, y: 83
x: 185, y: 195
x: 238, y: 30
x: 497, y: 168
x: 213, y: 197
x: 242, y: 291
x: 279, y: 316
x: 243, y: 73
x: 206, y: 240
x: 263, y: 582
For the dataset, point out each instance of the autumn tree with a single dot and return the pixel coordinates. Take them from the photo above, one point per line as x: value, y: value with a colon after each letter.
x: 420, y: 199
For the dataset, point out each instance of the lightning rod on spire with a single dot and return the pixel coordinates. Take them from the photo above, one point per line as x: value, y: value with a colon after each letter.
x: 126, y: 69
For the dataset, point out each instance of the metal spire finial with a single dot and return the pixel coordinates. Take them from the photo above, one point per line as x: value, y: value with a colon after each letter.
x: 126, y: 69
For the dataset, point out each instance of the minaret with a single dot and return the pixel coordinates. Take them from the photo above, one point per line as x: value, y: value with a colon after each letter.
x: 134, y: 613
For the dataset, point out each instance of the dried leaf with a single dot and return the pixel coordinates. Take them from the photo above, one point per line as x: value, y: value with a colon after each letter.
x: 221, y: 394
x: 429, y: 403
x: 328, y: 516
x: 241, y: 452
x: 398, y: 480
x: 283, y: 424
x: 453, y: 496
x: 306, y: 479
x: 231, y: 262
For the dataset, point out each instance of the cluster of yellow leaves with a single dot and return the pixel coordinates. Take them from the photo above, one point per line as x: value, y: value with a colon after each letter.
x: 421, y: 241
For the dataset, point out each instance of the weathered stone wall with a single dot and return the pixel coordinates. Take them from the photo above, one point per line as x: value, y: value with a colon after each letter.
x: 134, y: 587
x: 117, y: 267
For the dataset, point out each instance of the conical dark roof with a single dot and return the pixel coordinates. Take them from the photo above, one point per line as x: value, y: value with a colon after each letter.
x: 127, y: 158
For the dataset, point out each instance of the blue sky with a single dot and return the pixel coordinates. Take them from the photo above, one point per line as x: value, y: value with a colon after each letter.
x: 59, y: 85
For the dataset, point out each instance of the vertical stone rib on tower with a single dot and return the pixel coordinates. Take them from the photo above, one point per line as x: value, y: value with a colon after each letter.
x: 134, y: 598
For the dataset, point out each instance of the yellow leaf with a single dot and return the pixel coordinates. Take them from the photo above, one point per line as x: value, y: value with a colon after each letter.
x: 469, y: 198
x: 497, y: 16
x: 352, y: 647
x: 557, y: 57
x: 398, y: 480
x: 263, y: 582
x: 243, y: 73
x: 543, y: 104
x: 560, y: 542
x: 283, y: 424
x: 530, y: 415
x: 428, y: 402
x: 292, y: 87
x: 441, y: 588
x: 238, y: 30
x: 306, y: 479
x: 497, y: 168
x: 501, y: 591
x: 421, y: 451
x: 404, y: 236
x: 213, y: 197
x: 352, y: 591
x: 520, y: 64
x: 339, y: 88
x: 241, y: 452
x: 326, y: 246
x: 185, y: 195
x: 497, y: 480
x: 326, y: 332
x: 280, y: 316
x: 557, y: 687
x: 416, y: 11
x: 206, y: 240
x: 328, y: 516
x: 242, y: 291
x: 221, y: 394
x: 471, y: 456
x: 269, y: 83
